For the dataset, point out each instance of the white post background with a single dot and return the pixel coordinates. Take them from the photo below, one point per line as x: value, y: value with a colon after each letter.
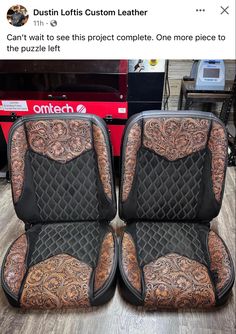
x: 164, y: 17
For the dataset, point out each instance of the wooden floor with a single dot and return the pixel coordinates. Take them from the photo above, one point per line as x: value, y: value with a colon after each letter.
x: 117, y: 316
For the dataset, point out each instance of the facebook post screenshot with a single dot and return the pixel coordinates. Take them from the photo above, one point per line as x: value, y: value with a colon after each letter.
x: 117, y: 167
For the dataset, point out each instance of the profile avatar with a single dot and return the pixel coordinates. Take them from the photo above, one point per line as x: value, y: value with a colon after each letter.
x: 17, y: 15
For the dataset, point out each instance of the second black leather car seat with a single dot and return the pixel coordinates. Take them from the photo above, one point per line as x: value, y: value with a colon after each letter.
x: 172, y: 183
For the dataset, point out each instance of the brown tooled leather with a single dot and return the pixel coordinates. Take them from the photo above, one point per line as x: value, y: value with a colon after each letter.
x: 58, y: 282
x: 132, y: 146
x: 60, y: 140
x: 15, y: 268
x: 175, y: 138
x: 105, y: 262
x: 220, y: 261
x: 218, y: 147
x: 130, y: 262
x: 174, y: 281
x: 103, y: 160
x: 19, y: 147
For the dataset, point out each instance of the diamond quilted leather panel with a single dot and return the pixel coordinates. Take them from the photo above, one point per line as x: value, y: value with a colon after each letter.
x: 168, y: 190
x: 66, y: 192
x: 81, y: 240
x: 158, y: 239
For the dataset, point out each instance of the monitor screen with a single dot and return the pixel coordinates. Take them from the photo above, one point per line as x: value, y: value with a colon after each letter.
x: 211, y: 73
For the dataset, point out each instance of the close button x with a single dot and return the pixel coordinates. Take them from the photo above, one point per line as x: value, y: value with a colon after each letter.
x: 224, y: 10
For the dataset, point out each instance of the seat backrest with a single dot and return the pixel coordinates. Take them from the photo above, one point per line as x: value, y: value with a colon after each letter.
x: 61, y: 169
x: 173, y: 166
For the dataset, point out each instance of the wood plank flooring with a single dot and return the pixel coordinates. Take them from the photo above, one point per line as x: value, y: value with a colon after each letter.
x: 117, y: 316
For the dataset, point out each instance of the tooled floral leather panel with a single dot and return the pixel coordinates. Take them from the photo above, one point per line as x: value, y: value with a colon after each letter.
x: 19, y: 147
x: 60, y: 140
x: 175, y: 138
x: 220, y: 262
x: 61, y: 281
x: 130, y: 262
x: 15, y: 268
x: 103, y: 160
x: 218, y: 147
x: 105, y: 262
x: 132, y: 146
x: 175, y: 281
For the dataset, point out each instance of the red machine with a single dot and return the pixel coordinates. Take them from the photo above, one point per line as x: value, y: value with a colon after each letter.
x: 111, y: 89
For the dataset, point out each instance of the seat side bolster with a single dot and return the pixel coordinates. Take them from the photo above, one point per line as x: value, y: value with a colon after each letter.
x: 221, y: 264
x: 105, y: 262
x: 130, y: 148
x: 218, y: 146
x: 130, y: 263
x: 18, y: 148
x: 14, y: 267
x: 103, y: 160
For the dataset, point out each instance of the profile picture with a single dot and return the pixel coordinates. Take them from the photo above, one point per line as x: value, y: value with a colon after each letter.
x: 17, y: 15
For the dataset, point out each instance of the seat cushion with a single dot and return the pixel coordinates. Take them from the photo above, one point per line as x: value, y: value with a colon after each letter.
x: 174, y: 265
x: 61, y: 265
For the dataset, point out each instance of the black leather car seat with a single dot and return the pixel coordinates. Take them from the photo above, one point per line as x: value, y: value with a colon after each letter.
x: 172, y: 183
x: 63, y: 189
